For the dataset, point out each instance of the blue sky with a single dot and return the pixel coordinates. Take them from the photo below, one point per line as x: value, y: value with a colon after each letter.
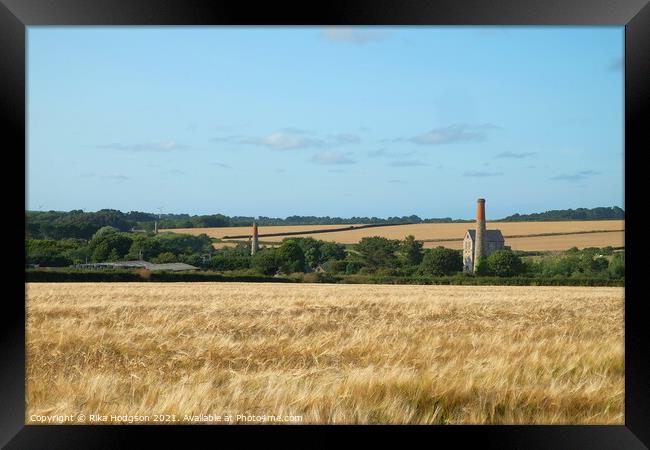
x: 363, y: 121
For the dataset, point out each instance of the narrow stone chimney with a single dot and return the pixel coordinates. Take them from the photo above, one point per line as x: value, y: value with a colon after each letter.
x: 479, y: 244
x: 254, y: 244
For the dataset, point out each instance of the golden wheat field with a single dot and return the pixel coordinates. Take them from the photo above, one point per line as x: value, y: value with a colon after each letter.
x: 327, y: 353
x: 427, y: 231
x: 519, y: 235
x: 551, y: 243
x: 235, y: 231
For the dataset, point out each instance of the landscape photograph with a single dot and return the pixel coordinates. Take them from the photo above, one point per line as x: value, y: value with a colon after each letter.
x: 325, y: 225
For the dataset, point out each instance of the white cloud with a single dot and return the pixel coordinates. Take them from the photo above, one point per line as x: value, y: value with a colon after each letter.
x: 352, y: 35
x: 295, y: 138
x: 577, y: 176
x: 331, y: 157
x: 453, y: 133
x: 289, y: 141
x: 222, y: 165
x: 285, y: 140
x: 382, y: 153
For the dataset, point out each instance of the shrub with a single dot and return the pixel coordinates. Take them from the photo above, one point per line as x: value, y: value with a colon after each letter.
x: 504, y: 263
x: 75, y: 275
x: 388, y: 271
x: 331, y: 250
x: 71, y: 275
x: 335, y: 266
x: 616, y: 267
x: 411, y: 251
x: 353, y: 267
x: 108, y: 244
x: 482, y: 268
x: 48, y: 253
x: 378, y: 252
x: 183, y: 243
x: 266, y: 261
x: 291, y: 257
x: 165, y: 257
x: 441, y: 261
x: 229, y: 262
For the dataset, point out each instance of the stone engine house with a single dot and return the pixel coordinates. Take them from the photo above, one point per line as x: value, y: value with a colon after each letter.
x: 480, y: 241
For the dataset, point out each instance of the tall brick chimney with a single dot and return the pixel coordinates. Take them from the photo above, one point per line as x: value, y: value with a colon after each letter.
x: 254, y: 244
x: 479, y: 245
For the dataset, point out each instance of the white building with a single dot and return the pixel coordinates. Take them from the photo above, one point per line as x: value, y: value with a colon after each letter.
x: 493, y: 241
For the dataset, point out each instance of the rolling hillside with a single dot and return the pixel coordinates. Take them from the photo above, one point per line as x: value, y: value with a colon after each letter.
x: 519, y: 235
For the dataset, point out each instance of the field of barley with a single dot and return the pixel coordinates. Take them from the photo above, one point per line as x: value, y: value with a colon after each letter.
x: 551, y: 243
x: 519, y: 235
x: 328, y: 353
x: 233, y: 231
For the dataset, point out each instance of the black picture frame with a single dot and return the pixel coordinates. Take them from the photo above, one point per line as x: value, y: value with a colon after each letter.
x: 16, y: 15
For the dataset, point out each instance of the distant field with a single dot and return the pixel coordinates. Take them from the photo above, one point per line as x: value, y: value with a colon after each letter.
x: 230, y: 231
x: 551, y: 243
x: 442, y: 233
x: 328, y: 353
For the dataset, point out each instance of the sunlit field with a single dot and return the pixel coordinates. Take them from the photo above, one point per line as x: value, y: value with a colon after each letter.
x: 328, y: 353
x: 220, y: 232
x: 519, y: 235
x: 551, y: 243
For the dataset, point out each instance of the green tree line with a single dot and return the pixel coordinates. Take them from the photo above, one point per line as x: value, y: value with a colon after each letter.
x: 56, y: 225
x: 600, y: 213
x: 372, y: 256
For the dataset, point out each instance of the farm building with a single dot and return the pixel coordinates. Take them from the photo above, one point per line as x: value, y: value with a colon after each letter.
x: 171, y: 267
x: 480, y: 241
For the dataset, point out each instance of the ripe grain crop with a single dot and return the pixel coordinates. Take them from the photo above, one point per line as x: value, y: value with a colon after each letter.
x: 551, y: 243
x: 328, y: 353
x: 451, y: 234
x: 426, y: 231
x: 220, y: 232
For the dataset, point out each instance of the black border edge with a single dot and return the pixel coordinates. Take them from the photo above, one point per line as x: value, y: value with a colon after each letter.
x: 637, y: 339
x: 15, y: 15
x: 611, y: 437
x: 291, y: 12
x: 12, y: 331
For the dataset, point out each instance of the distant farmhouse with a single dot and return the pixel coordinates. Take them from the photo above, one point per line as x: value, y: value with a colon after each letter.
x: 480, y: 242
x: 170, y: 267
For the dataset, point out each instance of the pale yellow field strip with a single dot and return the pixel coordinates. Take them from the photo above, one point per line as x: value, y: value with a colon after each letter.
x: 420, y: 231
x: 456, y: 231
x: 550, y: 243
x: 236, y: 231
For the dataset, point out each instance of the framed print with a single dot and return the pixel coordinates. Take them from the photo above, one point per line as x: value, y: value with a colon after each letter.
x: 414, y: 215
